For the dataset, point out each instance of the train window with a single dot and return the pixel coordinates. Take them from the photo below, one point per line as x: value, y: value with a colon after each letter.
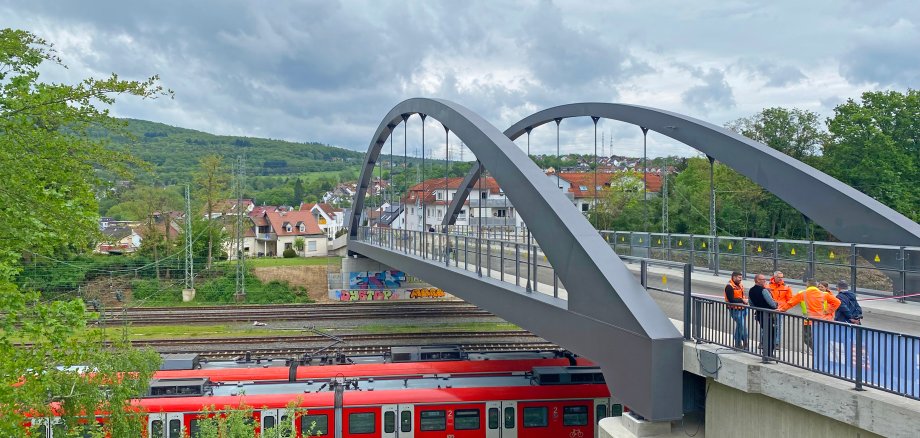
x: 574, y: 415
x: 493, y: 418
x: 389, y: 422
x: 616, y: 410
x: 194, y: 430
x: 175, y: 428
x: 156, y: 428
x: 405, y: 421
x: 362, y: 422
x: 600, y: 412
x: 314, y: 425
x: 509, y: 418
x: 268, y: 421
x: 466, y: 419
x: 535, y: 417
x: 432, y: 420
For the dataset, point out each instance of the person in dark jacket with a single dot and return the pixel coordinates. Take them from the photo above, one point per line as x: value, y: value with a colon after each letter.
x: 759, y: 297
x: 849, y: 311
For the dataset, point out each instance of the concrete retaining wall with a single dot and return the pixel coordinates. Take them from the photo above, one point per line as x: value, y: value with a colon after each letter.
x: 732, y: 413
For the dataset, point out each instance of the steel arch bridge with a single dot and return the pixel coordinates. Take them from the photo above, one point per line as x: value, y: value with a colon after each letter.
x: 608, y: 316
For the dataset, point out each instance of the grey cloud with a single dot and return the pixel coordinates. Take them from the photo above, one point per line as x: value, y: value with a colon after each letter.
x: 776, y: 74
x: 891, y: 63
x: 714, y: 92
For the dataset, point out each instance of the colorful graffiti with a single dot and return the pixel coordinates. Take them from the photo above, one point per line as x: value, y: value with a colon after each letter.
x: 385, y: 294
x: 383, y: 286
x: 376, y: 279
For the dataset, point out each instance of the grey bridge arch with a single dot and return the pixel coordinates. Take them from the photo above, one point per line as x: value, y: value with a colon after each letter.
x: 845, y: 212
x: 608, y: 316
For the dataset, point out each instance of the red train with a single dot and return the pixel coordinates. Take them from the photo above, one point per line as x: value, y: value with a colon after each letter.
x: 518, y: 395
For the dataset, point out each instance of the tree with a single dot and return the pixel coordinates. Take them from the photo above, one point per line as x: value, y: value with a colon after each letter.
x: 299, y: 244
x: 794, y: 132
x: 298, y: 191
x: 49, y: 164
x: 875, y: 148
x: 213, y: 183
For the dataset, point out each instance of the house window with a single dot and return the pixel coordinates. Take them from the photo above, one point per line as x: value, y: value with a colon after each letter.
x: 501, y: 213
x: 583, y: 188
x: 311, y: 245
x: 303, y: 228
x: 598, y: 188
x: 584, y: 207
x: 289, y: 229
x: 482, y: 195
x: 462, y: 212
x: 439, y: 196
x: 288, y: 245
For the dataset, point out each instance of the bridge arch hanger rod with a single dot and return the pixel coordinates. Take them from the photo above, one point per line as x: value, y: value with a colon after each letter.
x: 603, y: 295
x: 572, y: 246
x: 845, y: 212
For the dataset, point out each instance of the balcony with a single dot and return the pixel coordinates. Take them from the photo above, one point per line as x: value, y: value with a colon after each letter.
x: 267, y: 236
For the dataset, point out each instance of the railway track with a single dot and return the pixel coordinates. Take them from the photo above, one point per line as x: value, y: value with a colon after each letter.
x: 355, y: 344
x: 288, y: 312
x: 286, y: 353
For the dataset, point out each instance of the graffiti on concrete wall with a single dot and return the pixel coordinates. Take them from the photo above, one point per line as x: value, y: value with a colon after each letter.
x: 383, y: 286
x: 376, y: 279
x: 385, y: 294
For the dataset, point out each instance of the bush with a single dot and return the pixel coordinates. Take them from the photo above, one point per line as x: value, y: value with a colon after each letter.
x: 289, y: 253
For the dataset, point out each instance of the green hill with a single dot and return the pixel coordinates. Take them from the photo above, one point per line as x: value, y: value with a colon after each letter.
x: 174, y: 153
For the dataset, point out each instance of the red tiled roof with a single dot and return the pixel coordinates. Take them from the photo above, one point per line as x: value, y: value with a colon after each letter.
x: 278, y: 220
x: 430, y: 185
x: 328, y: 209
x: 586, y: 179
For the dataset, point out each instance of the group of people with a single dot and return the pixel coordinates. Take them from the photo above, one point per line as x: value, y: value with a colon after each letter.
x: 817, y: 302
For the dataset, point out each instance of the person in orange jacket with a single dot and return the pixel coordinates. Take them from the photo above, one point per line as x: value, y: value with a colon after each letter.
x: 781, y: 293
x: 817, y: 305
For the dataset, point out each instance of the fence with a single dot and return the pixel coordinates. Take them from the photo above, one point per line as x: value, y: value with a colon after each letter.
x: 871, y: 269
x: 867, y: 357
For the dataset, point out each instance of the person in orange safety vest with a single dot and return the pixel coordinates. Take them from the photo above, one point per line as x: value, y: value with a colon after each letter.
x: 781, y: 293
x: 816, y: 305
x: 734, y: 294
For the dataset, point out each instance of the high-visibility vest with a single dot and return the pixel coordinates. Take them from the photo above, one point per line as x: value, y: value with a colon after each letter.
x: 737, y: 293
x: 804, y: 305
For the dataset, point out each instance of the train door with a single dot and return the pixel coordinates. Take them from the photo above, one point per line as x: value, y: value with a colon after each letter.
x: 165, y: 425
x: 388, y: 417
x: 601, y: 406
x: 274, y: 418
x: 509, y: 419
x: 397, y: 421
x: 493, y: 419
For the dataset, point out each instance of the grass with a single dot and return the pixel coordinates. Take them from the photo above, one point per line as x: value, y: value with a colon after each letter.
x: 296, y: 261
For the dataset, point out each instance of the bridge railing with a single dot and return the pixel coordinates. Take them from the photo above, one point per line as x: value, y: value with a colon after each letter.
x: 864, y: 356
x: 872, y: 269
x: 506, y: 260
x: 867, y: 357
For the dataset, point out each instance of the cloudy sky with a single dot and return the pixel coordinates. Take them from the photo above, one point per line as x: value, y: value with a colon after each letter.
x: 328, y: 71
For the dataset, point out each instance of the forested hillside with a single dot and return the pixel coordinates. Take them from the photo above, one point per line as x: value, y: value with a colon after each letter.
x: 175, y: 152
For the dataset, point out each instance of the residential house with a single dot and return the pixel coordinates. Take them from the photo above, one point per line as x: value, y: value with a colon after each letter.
x: 119, y: 239
x: 330, y: 219
x: 584, y: 190
x: 486, y: 204
x: 275, y: 231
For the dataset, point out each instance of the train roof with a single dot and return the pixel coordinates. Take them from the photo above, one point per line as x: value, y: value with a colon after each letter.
x: 278, y: 371
x: 325, y: 399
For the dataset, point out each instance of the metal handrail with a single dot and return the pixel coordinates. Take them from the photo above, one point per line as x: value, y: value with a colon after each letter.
x: 888, y: 361
x: 873, y: 358
x: 897, y: 267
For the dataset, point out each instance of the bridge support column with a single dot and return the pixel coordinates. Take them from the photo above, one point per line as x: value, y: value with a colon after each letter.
x: 627, y: 426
